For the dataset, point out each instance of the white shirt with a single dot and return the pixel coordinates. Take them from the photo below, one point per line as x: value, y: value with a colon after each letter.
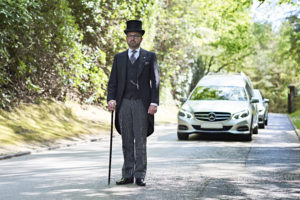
x: 137, y: 53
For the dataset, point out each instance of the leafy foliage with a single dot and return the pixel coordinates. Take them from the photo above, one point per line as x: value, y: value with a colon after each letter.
x: 274, y: 66
x: 201, y: 36
x: 64, y: 49
x: 61, y: 48
x: 35, y: 35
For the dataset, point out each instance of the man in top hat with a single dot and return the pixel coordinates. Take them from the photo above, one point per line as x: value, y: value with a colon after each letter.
x: 133, y: 91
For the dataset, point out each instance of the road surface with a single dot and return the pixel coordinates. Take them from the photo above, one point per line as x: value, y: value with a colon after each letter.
x: 205, y: 167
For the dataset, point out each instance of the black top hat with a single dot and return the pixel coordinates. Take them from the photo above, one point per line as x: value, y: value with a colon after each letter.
x: 134, y: 26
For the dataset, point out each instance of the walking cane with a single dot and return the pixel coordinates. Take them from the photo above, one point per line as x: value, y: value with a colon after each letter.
x: 110, y: 150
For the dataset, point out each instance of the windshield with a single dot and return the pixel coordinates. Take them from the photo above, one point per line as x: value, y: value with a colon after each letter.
x: 219, y: 93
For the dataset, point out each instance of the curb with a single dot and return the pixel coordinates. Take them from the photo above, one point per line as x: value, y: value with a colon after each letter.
x: 7, y: 156
x: 295, y: 129
x: 24, y: 153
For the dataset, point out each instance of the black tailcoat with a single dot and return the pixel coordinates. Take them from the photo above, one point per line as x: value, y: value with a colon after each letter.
x: 148, y: 81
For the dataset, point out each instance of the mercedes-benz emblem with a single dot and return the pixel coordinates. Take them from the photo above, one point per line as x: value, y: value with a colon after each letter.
x: 211, y: 117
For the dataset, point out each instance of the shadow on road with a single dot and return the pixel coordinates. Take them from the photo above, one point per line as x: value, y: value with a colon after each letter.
x: 215, y: 137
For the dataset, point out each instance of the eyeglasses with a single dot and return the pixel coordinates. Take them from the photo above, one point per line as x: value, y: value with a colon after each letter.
x: 134, y: 36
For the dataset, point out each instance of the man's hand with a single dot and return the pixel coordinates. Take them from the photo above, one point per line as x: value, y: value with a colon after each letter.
x: 112, y: 105
x: 152, y: 109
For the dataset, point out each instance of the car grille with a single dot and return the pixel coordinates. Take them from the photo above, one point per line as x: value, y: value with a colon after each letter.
x: 225, y: 128
x: 219, y: 116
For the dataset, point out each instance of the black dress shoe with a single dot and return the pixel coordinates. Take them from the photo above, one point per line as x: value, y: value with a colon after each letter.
x: 140, y: 182
x: 124, y: 181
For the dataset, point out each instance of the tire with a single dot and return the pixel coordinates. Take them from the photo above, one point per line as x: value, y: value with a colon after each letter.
x: 248, y: 137
x: 255, y: 130
x: 266, y: 122
x: 182, y: 136
x: 261, y: 125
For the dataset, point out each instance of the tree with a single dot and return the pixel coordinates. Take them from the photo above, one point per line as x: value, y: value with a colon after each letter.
x: 199, y: 37
x: 62, y: 48
x: 35, y: 37
x: 274, y: 66
x: 281, y: 2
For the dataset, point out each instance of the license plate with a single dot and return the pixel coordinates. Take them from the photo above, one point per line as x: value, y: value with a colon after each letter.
x: 212, y: 125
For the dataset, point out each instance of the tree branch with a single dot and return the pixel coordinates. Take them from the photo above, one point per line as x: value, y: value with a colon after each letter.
x: 209, y: 65
x: 226, y: 64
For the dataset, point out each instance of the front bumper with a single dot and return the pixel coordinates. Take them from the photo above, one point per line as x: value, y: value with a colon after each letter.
x: 231, y: 126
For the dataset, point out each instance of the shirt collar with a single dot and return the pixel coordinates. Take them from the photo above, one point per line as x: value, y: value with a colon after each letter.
x: 137, y: 50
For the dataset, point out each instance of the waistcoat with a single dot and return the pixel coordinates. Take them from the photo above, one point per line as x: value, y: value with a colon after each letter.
x: 131, y: 89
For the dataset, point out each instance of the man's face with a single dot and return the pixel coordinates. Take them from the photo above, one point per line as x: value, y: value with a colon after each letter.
x: 134, y: 39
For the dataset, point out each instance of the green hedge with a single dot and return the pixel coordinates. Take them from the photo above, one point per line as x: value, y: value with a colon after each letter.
x: 295, y: 116
x: 61, y: 48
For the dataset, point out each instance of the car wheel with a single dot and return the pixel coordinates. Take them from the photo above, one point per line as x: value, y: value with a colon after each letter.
x: 255, y: 130
x: 182, y: 136
x: 248, y: 137
x: 266, y: 122
x: 262, y: 125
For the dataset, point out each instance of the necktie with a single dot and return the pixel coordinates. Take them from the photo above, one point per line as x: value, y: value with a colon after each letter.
x: 132, y: 57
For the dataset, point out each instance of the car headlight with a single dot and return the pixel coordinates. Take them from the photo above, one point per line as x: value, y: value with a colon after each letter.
x: 186, y: 114
x: 241, y: 114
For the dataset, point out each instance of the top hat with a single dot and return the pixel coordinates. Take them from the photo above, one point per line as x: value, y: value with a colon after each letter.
x: 134, y: 26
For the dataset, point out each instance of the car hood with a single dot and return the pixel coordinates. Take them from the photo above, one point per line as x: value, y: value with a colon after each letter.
x: 215, y: 106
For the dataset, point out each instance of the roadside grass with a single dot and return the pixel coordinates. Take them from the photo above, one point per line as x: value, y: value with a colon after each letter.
x: 32, y: 126
x: 295, y: 116
x: 37, y: 126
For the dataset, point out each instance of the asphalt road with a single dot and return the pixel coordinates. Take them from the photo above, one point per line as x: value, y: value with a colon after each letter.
x: 205, y: 167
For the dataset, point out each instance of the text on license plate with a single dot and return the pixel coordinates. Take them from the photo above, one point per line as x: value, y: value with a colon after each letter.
x: 212, y: 125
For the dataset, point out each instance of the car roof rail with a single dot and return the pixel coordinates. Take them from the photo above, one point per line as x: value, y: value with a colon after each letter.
x: 213, y: 73
x: 227, y: 73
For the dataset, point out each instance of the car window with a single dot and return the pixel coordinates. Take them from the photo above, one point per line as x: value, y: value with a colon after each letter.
x: 258, y: 96
x: 219, y: 93
x: 249, y: 90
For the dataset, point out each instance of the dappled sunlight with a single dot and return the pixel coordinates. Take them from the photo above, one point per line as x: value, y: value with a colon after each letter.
x: 38, y: 126
x: 193, y: 169
x: 270, y: 188
x: 124, y: 190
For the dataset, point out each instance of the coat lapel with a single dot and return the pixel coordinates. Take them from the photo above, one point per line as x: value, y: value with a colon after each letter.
x: 124, y: 58
x: 141, y: 62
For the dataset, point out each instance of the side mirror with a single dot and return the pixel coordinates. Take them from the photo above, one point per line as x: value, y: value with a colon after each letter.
x: 182, y: 100
x: 254, y: 100
x: 266, y: 100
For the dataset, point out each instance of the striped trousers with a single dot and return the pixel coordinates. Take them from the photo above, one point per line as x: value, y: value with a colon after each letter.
x: 133, y: 120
